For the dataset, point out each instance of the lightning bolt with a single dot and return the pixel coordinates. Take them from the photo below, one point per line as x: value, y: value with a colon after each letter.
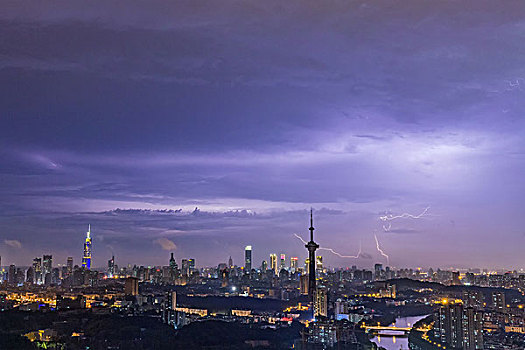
x: 391, y: 217
x: 333, y: 251
x: 381, y: 251
x: 386, y: 218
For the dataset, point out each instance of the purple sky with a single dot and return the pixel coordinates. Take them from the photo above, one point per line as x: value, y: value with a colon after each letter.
x: 253, y: 111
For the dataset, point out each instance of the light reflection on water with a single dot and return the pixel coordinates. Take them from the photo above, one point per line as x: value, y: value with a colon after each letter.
x: 396, y: 340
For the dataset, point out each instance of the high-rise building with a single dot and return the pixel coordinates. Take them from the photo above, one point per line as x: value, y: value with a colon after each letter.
x: 473, y: 298
x: 321, y: 302
x: 378, y: 270
x: 230, y: 263
x: 37, y: 267
x: 86, y: 259
x: 498, y: 301
x: 303, y: 284
x: 273, y: 263
x: 191, y: 265
x: 312, y: 247
x: 248, y: 259
x: 47, y: 267
x: 264, y: 266
x: 185, y: 267
x: 11, y: 274
x: 282, y: 264
x: 472, y: 329
x: 111, y: 267
x: 132, y: 286
x: 319, y: 263
x: 173, y: 262
x: 170, y: 305
x: 69, y: 265
x: 30, y: 275
x: 293, y: 264
x: 188, y: 266
x: 459, y: 327
x: 456, y: 281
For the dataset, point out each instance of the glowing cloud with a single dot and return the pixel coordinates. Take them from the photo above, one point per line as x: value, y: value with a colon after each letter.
x: 13, y: 243
x: 165, y: 243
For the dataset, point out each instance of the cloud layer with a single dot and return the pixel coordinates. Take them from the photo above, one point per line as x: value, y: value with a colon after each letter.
x: 253, y: 112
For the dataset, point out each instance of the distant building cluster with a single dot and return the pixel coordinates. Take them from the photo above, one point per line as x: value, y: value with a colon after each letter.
x: 468, y: 310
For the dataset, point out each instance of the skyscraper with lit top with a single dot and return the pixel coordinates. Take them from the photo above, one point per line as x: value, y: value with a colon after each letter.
x: 86, y: 259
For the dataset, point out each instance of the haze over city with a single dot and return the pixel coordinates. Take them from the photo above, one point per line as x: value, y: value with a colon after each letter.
x: 199, y: 129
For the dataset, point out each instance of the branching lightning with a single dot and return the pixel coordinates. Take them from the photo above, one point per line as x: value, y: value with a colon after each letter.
x: 387, y: 218
x: 381, y: 251
x: 391, y: 217
x: 333, y: 251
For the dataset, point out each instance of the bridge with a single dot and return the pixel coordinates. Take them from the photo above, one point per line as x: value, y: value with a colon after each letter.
x: 387, y: 328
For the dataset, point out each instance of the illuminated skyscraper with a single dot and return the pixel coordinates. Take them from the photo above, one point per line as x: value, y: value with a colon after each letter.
x: 248, y: 259
x: 321, y: 302
x: 86, y: 259
x: 173, y: 264
x: 111, y: 267
x: 319, y: 263
x: 37, y: 270
x: 282, y: 265
x: 273, y: 263
x: 312, y: 247
x: 48, y: 264
x: 293, y: 264
x: 47, y: 267
x: 191, y: 265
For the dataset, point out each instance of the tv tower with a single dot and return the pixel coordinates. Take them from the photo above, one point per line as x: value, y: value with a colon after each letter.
x: 312, y: 247
x: 86, y: 259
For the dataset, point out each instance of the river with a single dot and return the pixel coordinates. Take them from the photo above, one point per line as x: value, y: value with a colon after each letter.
x: 392, y: 342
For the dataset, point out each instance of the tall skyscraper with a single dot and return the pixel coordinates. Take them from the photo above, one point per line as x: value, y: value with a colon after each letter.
x: 191, y: 265
x: 86, y: 259
x: 273, y: 263
x: 69, y: 265
x: 188, y: 266
x: 312, y: 247
x: 131, y: 286
x: 264, y: 266
x: 47, y: 265
x: 459, y: 327
x: 321, y: 302
x: 37, y: 270
x: 248, y: 259
x: 11, y: 274
x: 293, y: 264
x: 282, y: 264
x: 173, y: 263
x: 378, y: 269
x: 111, y: 266
x: 319, y: 263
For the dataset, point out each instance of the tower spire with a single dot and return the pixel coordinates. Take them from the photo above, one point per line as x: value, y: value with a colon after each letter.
x: 312, y: 247
x: 311, y: 224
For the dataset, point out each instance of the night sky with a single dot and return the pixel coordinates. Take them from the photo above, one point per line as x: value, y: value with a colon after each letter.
x: 129, y: 115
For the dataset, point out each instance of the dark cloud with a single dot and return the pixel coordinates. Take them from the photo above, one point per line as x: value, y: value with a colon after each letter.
x: 253, y: 112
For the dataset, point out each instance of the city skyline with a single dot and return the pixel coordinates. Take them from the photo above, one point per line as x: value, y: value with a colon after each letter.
x: 201, y: 129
